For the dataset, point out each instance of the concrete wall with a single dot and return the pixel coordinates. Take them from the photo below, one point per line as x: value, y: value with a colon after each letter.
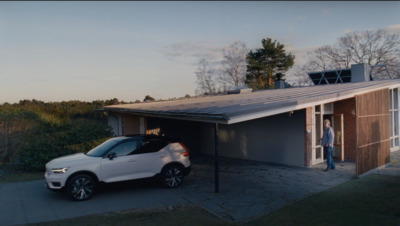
x: 276, y: 139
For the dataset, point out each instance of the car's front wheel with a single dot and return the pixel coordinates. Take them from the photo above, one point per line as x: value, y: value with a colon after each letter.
x: 81, y: 187
x: 172, y: 176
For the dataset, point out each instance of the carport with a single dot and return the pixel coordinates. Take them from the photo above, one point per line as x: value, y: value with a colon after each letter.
x: 255, y: 116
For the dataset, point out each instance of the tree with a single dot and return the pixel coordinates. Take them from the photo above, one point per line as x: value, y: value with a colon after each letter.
x: 265, y: 62
x: 233, y: 65
x: 206, y: 78
x: 370, y: 47
x: 148, y: 98
x: 113, y: 101
x: 300, y: 73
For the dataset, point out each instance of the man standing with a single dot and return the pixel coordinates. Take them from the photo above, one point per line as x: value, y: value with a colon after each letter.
x: 327, y: 143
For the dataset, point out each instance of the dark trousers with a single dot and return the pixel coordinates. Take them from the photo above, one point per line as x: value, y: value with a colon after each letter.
x: 329, y: 160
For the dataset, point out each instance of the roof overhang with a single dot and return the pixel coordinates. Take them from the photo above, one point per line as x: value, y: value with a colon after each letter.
x: 236, y: 108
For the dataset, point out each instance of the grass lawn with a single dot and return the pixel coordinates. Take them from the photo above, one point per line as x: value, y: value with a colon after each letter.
x: 9, y: 174
x: 372, y: 200
x: 186, y: 215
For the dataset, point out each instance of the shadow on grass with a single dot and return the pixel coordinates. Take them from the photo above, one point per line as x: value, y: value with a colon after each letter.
x: 372, y: 200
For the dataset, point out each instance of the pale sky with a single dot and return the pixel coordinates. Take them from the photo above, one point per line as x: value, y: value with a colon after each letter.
x: 60, y: 51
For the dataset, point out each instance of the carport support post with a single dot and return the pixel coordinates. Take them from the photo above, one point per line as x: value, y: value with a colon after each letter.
x: 216, y: 163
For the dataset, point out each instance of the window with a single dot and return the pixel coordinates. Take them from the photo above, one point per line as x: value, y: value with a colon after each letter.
x: 317, y: 152
x: 394, y: 118
x: 125, y: 148
x: 152, y: 145
x: 328, y: 108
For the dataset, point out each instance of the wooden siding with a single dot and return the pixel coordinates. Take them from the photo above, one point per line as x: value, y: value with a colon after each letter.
x: 372, y: 130
x: 131, y: 124
x: 348, y: 109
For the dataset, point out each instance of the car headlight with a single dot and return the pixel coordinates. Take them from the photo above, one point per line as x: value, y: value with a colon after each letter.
x: 60, y: 170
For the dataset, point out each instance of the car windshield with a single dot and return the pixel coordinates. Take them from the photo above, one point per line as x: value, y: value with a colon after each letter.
x: 104, y: 147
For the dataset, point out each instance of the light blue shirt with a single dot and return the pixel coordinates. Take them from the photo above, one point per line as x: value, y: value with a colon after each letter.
x: 328, y: 136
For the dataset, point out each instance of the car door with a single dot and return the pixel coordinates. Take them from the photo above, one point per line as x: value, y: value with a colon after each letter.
x: 152, y: 156
x: 120, y: 163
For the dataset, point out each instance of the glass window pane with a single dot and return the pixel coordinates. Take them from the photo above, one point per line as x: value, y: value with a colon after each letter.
x: 318, y: 153
x: 396, y: 123
x: 125, y: 148
x: 328, y: 108
x: 391, y: 142
x: 318, y: 108
x: 391, y: 124
x: 396, y: 142
x: 391, y: 99
x: 396, y: 98
x: 318, y: 127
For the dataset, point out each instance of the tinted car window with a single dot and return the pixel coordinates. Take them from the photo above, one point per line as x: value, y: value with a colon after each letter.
x: 124, y: 148
x: 152, y: 145
x: 104, y: 147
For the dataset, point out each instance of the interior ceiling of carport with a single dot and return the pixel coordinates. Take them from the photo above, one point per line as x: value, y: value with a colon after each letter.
x: 234, y: 108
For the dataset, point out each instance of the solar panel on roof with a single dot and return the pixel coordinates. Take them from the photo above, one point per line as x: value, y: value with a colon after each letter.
x: 330, y: 77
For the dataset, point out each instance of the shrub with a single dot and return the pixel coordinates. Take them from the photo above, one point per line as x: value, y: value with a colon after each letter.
x: 78, y: 135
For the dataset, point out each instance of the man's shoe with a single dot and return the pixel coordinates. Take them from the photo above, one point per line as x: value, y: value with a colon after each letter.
x: 326, y: 169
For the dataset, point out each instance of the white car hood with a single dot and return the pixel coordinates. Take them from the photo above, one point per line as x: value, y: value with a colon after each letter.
x: 72, y: 160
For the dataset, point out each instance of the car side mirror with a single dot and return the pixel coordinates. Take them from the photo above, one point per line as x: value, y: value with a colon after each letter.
x: 112, y: 155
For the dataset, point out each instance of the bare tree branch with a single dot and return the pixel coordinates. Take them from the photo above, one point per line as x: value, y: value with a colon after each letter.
x: 233, y: 65
x: 370, y: 47
x: 206, y: 79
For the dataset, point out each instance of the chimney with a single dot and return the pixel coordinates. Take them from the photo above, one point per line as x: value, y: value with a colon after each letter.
x: 279, y: 82
x: 360, y: 73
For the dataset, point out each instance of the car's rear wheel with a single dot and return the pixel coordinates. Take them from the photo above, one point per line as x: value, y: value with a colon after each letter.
x: 172, y: 176
x: 81, y: 187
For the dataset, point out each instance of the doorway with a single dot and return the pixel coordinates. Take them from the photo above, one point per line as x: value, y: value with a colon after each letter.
x: 320, y: 113
x: 338, y: 129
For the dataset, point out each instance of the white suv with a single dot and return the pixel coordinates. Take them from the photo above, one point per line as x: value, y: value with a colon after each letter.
x: 119, y: 159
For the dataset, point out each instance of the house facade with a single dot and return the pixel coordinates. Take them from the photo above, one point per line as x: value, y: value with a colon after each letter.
x: 281, y: 126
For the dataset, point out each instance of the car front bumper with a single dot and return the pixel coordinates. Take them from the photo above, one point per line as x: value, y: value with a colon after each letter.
x: 54, y: 181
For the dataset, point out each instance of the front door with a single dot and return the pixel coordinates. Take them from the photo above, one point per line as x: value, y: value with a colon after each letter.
x: 318, y: 155
x: 338, y: 128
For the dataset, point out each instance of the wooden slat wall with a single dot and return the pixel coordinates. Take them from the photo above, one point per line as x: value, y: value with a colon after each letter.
x: 372, y: 130
x: 131, y: 124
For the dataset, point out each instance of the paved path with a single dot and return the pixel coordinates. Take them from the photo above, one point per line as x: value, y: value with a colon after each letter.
x: 31, y: 202
x: 250, y: 189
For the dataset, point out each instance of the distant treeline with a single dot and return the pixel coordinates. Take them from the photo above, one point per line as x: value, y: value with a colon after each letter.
x: 33, y: 132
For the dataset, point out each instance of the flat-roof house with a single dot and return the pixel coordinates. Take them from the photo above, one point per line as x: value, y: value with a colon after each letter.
x: 280, y: 126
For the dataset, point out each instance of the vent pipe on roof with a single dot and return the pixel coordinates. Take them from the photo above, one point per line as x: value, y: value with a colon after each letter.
x: 279, y: 82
